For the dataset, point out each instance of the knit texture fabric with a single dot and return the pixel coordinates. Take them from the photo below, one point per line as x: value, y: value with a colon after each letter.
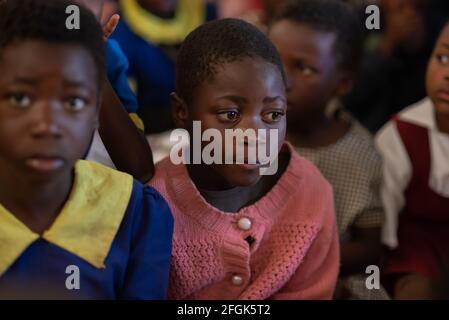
x: 295, y: 253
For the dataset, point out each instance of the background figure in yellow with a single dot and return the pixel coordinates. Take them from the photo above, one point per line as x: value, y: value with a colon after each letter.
x: 150, y: 33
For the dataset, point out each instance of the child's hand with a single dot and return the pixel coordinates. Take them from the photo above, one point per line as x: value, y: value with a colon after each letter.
x: 110, y: 26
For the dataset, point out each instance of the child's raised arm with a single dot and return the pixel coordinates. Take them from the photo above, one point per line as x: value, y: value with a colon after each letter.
x: 125, y: 144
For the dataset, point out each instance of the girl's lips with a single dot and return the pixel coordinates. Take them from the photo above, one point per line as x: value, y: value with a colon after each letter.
x: 45, y: 164
x: 248, y: 166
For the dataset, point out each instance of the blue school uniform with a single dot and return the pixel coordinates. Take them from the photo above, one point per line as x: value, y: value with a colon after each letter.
x: 143, y: 37
x: 112, y: 240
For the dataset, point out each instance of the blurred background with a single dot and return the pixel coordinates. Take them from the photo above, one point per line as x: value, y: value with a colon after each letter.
x: 391, y: 76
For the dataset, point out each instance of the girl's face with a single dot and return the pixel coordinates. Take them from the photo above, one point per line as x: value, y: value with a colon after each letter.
x: 437, y: 80
x: 246, y: 94
x: 48, y: 108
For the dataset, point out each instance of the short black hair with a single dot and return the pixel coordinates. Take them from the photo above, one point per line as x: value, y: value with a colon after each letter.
x: 333, y: 16
x: 46, y: 20
x: 216, y: 43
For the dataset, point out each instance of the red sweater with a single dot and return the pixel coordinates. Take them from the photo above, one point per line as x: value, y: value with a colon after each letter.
x: 296, y: 250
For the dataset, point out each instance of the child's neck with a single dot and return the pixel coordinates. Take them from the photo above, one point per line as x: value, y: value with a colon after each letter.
x: 35, y: 204
x: 442, y: 123
x: 318, y: 132
x: 204, y: 177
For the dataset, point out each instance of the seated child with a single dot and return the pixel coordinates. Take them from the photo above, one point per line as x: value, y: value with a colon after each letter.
x: 319, y: 43
x: 239, y: 234
x: 415, y: 148
x: 69, y: 229
x: 117, y: 143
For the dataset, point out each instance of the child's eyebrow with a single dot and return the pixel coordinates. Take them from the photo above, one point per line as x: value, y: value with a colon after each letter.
x: 273, y: 99
x: 236, y: 99
x: 74, y: 84
x: 25, y: 80
x: 242, y: 100
x: 66, y: 83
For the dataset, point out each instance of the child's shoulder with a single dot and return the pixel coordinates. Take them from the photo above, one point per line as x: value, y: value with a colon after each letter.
x: 306, y: 177
x: 356, y: 148
x: 95, y: 175
x: 418, y: 115
x: 308, y: 195
x: 358, y: 138
x: 362, y: 147
x: 163, y: 167
x: 112, y: 186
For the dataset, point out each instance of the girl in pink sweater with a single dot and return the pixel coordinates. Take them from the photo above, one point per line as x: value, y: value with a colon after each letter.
x: 240, y: 234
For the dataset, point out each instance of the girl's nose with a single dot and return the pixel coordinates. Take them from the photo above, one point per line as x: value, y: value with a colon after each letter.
x: 46, y: 121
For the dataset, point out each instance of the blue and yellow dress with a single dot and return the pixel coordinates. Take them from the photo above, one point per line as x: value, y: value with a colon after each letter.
x: 112, y: 240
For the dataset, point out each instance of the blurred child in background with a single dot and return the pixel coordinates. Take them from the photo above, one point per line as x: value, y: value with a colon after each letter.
x: 415, y: 149
x: 393, y: 69
x: 320, y: 44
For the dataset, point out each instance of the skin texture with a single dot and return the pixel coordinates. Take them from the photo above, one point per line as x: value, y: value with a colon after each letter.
x: 49, y: 97
x: 248, y: 93
x: 314, y: 78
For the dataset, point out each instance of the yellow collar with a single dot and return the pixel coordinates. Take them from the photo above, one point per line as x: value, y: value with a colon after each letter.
x: 189, y: 15
x: 87, y: 224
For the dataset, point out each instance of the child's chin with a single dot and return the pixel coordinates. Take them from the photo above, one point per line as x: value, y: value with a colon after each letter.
x: 245, y: 178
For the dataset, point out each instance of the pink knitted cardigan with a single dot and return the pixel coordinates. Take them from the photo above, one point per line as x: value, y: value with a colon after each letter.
x: 296, y: 250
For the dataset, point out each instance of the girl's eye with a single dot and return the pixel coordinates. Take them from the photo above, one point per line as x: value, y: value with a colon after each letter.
x: 273, y: 117
x: 20, y: 100
x: 229, y: 115
x: 444, y: 59
x: 75, y: 104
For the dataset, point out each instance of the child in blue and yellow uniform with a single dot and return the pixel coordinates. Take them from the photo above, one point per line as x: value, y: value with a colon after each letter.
x: 68, y: 228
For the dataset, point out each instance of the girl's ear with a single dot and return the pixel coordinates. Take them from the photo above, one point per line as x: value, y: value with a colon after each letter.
x: 179, y: 110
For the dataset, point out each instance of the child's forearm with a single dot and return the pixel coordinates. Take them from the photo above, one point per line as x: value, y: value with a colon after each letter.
x: 125, y: 144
